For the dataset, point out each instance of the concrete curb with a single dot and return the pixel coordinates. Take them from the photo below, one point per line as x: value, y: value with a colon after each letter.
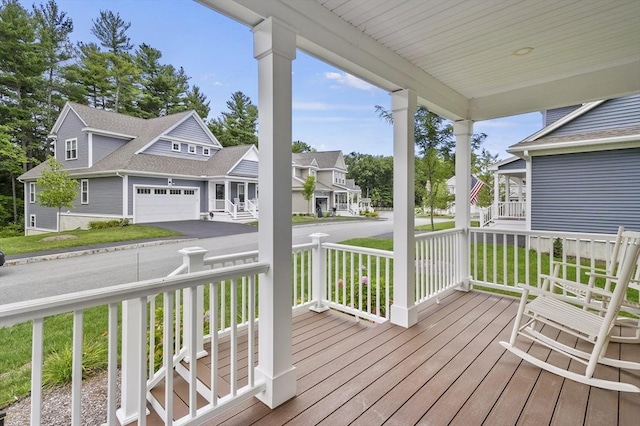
x: 65, y: 255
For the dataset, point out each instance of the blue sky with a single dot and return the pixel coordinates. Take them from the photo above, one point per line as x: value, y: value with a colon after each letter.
x: 332, y: 110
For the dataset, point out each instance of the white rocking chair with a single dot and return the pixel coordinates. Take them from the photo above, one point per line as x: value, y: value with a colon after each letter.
x: 578, y: 316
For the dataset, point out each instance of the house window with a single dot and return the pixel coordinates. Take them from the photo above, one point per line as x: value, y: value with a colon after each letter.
x: 206, y: 151
x: 175, y: 146
x: 32, y: 192
x: 84, y: 191
x: 32, y: 221
x: 192, y: 149
x: 71, y: 149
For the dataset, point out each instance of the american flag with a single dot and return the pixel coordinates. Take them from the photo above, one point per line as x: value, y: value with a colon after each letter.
x: 476, y: 186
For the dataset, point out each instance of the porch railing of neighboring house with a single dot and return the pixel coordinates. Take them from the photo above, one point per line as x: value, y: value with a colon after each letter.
x: 251, y: 206
x: 512, y: 210
x: 486, y: 216
x: 231, y: 208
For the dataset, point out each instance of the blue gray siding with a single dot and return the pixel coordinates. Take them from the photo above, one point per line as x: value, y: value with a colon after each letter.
x: 611, y: 114
x: 72, y: 128
x: 163, y: 147
x: 553, y: 115
x: 586, y: 192
x: 105, y: 197
x: 514, y: 165
x: 104, y: 145
x: 191, y: 130
x: 46, y: 218
x: 245, y: 168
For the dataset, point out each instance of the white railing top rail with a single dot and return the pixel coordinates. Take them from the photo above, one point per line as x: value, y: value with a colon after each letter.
x: 438, y: 233
x: 28, y: 310
x: 360, y: 250
x: 214, y: 260
x: 550, y: 234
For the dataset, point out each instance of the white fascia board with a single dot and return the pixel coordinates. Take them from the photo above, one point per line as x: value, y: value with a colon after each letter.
x: 511, y: 159
x: 326, y: 36
x: 63, y: 116
x: 107, y: 133
x: 588, y: 87
x: 618, y: 142
x: 564, y: 120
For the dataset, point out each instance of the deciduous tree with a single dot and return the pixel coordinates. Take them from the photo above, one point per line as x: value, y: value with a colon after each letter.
x: 56, y: 188
x: 308, y: 189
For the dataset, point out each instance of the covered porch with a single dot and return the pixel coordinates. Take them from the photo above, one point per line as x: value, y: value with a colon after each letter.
x: 475, y: 70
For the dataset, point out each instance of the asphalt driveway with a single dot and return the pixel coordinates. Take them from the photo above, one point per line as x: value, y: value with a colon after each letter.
x: 205, y: 228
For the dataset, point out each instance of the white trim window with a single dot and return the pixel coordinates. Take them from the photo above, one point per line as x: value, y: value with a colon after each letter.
x: 32, y: 192
x: 32, y: 221
x: 71, y: 149
x: 84, y: 191
x: 206, y: 151
x: 175, y: 146
x: 191, y: 149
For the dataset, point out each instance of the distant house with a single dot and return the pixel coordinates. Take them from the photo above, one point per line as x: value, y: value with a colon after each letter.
x: 580, y: 173
x: 333, y: 189
x: 145, y: 170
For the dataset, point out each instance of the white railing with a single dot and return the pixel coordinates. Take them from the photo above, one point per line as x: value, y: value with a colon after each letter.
x: 437, y: 267
x: 512, y: 210
x: 358, y: 280
x: 251, y: 206
x: 137, y: 315
x: 501, y: 259
x: 231, y: 208
x: 486, y: 216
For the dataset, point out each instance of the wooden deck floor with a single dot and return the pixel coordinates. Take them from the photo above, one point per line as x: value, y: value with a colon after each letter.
x: 448, y: 369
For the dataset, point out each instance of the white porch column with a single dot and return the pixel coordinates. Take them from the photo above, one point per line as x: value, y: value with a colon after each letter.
x: 496, y: 195
x: 463, y: 130
x: 529, y: 196
x: 274, y: 46
x: 403, y: 310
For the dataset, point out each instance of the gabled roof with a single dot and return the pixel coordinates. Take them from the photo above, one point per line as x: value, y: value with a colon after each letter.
x: 324, y: 159
x: 143, y: 132
x: 610, y: 138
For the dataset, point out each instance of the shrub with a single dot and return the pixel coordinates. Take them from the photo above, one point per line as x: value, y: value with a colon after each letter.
x: 12, y: 230
x: 557, y: 248
x: 58, y: 366
x: 115, y: 223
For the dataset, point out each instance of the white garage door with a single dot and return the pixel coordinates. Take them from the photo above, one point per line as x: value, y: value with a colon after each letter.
x: 165, y: 204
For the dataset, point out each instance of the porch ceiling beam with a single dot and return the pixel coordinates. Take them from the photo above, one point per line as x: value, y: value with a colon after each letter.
x: 342, y: 45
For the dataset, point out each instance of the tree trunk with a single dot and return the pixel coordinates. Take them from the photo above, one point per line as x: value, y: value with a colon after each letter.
x: 15, y: 197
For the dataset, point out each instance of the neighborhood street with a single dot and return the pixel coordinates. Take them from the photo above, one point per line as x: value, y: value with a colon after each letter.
x: 48, y: 278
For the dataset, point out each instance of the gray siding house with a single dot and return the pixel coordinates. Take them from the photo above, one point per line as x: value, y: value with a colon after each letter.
x: 145, y: 170
x: 581, y: 171
x: 334, y: 192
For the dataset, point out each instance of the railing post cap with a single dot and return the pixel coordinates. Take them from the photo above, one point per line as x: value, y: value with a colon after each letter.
x: 318, y: 235
x: 192, y: 250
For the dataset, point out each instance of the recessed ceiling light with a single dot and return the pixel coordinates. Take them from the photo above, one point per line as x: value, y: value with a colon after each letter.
x: 522, y: 51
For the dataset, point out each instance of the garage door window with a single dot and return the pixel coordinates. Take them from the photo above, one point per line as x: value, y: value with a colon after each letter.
x: 144, y: 191
x: 175, y: 191
x: 160, y: 191
x: 189, y: 191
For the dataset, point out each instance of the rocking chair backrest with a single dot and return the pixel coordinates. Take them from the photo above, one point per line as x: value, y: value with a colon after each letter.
x: 630, y: 249
x: 623, y: 239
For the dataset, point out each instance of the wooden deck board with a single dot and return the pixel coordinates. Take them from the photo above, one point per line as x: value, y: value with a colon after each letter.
x: 448, y: 369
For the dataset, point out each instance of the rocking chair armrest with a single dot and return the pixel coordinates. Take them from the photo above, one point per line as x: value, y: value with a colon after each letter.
x: 599, y: 275
x: 574, y: 286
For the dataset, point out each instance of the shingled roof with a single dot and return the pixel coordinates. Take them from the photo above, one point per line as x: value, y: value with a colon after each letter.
x: 143, y: 131
x: 325, y: 159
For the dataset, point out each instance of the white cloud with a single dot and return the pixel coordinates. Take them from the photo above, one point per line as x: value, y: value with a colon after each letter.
x: 344, y: 79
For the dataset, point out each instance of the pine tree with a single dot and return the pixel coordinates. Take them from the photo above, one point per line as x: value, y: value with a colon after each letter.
x: 238, y: 125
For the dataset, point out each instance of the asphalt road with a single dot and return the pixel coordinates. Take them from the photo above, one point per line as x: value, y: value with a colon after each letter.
x: 48, y: 278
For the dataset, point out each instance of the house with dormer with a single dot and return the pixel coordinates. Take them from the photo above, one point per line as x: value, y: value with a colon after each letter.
x: 333, y: 193
x: 145, y: 170
x: 579, y: 173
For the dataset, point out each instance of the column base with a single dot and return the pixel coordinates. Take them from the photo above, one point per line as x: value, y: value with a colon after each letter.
x: 199, y: 355
x: 319, y: 309
x: 279, y: 390
x: 404, y: 317
x: 465, y: 285
x: 120, y: 415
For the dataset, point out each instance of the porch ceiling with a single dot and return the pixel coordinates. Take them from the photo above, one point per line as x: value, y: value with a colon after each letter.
x: 458, y: 55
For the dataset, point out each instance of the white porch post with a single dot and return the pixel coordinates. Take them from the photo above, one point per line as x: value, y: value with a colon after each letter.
x: 194, y: 258
x: 227, y: 193
x: 319, y: 277
x: 403, y: 310
x: 275, y: 48
x: 463, y: 130
x: 529, y: 195
x: 496, y: 195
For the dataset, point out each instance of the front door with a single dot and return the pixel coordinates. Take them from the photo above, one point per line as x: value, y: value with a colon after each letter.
x: 220, y: 196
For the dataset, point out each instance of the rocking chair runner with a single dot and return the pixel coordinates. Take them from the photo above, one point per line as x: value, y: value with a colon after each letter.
x: 591, y: 322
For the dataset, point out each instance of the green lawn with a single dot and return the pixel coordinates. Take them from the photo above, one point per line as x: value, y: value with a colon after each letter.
x: 35, y: 243
x: 440, y: 226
